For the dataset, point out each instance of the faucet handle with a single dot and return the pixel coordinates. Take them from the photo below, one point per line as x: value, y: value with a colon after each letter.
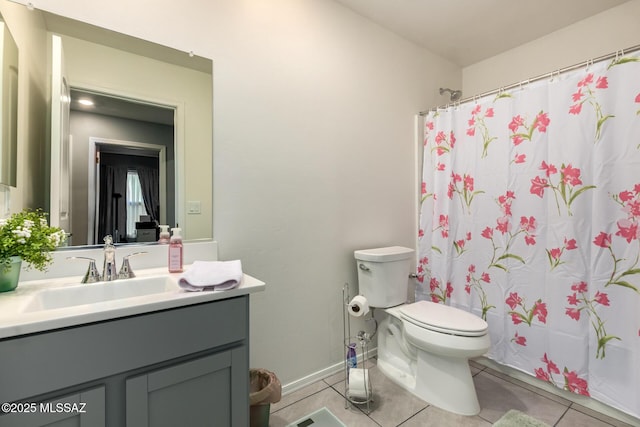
x: 126, y: 272
x: 92, y: 275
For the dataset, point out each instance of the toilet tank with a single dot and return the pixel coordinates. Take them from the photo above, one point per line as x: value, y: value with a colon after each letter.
x: 383, y: 275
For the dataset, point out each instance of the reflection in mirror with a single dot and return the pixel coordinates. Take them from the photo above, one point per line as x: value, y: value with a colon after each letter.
x: 128, y: 177
x: 8, y: 106
x: 121, y: 167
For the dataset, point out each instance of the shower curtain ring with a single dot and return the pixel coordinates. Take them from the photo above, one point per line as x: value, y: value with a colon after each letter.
x: 589, y: 64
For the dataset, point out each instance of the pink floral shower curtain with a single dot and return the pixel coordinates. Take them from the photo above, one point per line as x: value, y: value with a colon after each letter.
x: 529, y: 218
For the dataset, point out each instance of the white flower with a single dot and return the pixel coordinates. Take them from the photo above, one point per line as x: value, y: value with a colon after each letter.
x: 21, y: 232
x: 57, y: 238
x: 28, y: 235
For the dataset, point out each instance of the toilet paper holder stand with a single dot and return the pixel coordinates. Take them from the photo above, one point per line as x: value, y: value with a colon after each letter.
x: 363, y: 339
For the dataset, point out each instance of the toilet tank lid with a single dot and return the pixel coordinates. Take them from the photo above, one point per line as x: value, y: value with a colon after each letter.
x: 391, y: 253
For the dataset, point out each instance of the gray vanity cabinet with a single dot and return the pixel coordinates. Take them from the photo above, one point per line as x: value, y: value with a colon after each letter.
x: 186, y: 366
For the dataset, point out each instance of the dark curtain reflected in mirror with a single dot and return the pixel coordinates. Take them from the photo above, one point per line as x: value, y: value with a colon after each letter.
x: 116, y: 195
x: 149, y: 185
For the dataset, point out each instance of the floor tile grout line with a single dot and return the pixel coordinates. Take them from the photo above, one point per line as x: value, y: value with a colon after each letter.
x: 484, y: 419
x: 342, y: 396
x: 595, y: 414
x: 414, y: 415
x: 302, y: 398
x: 562, y: 416
x: 518, y: 383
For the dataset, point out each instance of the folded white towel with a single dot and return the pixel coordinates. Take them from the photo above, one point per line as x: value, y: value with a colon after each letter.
x: 212, y: 275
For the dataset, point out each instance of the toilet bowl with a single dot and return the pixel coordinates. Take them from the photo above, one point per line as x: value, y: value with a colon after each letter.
x: 424, y: 347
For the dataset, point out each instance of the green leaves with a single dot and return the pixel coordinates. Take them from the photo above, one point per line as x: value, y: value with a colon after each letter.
x: 28, y: 236
x: 513, y: 256
x: 623, y: 60
x: 602, y: 342
x: 624, y: 284
x: 599, y: 125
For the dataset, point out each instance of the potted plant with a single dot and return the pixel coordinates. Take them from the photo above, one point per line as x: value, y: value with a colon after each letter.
x: 26, y: 236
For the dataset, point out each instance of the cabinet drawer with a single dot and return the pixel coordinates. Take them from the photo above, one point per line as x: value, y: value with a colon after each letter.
x: 39, y: 363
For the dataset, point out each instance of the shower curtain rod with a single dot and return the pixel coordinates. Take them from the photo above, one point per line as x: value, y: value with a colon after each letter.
x: 537, y: 78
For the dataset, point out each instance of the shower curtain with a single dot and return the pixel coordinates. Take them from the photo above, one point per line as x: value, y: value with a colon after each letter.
x: 530, y: 218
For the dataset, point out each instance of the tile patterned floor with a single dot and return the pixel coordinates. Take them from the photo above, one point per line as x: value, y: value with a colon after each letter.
x: 395, y: 407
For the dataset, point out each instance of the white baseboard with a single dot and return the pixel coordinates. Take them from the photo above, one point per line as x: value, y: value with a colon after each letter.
x: 321, y: 374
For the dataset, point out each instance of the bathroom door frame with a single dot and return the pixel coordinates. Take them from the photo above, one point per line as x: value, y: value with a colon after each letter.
x: 93, y: 182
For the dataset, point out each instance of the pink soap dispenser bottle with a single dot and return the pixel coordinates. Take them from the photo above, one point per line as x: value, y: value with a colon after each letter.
x: 165, y: 237
x: 175, y: 251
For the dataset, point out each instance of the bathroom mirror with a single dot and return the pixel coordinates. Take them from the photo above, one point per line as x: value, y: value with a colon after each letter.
x: 152, y: 106
x: 8, y: 106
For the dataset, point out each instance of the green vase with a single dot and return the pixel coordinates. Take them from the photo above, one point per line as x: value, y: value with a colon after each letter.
x: 9, y: 277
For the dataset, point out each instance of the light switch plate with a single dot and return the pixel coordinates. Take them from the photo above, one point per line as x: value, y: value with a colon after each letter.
x: 193, y: 207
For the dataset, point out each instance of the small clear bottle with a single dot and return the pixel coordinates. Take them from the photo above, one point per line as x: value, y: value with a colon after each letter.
x: 165, y: 237
x: 352, y: 358
x: 175, y: 251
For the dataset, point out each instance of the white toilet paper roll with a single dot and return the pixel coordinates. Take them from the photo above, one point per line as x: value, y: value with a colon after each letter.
x: 358, y: 306
x: 359, y: 385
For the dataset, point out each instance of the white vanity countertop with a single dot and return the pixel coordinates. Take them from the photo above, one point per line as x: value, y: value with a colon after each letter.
x: 16, y: 320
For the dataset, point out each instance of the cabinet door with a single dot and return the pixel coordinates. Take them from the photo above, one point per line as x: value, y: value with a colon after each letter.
x: 209, y: 391
x: 85, y: 409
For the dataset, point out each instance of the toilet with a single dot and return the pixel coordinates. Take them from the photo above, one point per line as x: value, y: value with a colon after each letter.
x: 424, y: 347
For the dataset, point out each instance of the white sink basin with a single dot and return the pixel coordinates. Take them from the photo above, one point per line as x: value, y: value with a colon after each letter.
x: 92, y: 293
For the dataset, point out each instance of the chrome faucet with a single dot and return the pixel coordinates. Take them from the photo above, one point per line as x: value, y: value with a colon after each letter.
x: 126, y: 272
x: 109, y: 267
x: 92, y: 275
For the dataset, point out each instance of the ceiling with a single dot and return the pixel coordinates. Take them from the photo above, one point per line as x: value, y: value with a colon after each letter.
x: 469, y: 31
x: 113, y: 106
x: 462, y: 31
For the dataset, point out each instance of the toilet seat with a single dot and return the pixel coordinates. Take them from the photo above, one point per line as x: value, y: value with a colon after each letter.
x: 444, y: 319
